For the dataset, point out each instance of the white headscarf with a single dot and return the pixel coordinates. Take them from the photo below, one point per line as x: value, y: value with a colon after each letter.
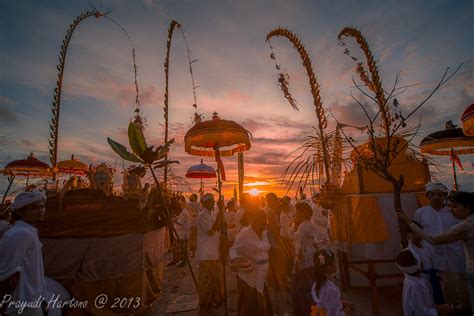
x: 433, y: 186
x: 26, y: 198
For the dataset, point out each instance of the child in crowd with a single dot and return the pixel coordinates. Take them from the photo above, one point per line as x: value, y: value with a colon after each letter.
x: 325, y: 293
x: 417, y: 299
x: 418, y: 246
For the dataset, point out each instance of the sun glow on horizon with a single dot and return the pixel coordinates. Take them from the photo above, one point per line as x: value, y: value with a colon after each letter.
x: 256, y: 183
x: 254, y: 192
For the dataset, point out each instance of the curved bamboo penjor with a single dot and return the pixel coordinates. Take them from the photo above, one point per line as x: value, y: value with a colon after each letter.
x: 320, y: 113
x: 374, y: 83
x: 173, y: 24
x: 56, y: 106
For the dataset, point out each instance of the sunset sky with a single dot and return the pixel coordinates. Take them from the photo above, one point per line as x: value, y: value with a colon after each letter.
x: 234, y: 72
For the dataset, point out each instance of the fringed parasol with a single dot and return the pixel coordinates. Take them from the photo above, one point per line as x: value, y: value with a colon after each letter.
x: 73, y: 166
x: 228, y: 136
x: 30, y: 166
x: 449, y: 142
x: 467, y: 119
x: 216, y: 138
x: 201, y: 171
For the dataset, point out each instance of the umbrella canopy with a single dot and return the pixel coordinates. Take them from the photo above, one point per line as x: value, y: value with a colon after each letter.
x: 30, y: 166
x: 448, y: 142
x: 73, y: 166
x: 467, y: 119
x: 204, y: 137
x: 201, y: 171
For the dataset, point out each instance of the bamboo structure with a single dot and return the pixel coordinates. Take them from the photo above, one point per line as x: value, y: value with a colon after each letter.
x: 320, y: 112
x: 56, y: 105
x: 374, y: 83
x: 171, y: 28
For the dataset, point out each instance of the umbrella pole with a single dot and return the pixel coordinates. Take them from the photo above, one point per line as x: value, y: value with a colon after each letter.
x: 27, y: 180
x: 10, y: 182
x: 201, y: 186
x: 454, y: 170
x: 223, y: 238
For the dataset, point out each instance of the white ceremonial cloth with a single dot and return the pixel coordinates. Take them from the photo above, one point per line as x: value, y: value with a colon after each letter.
x: 249, y: 245
x: 329, y: 298
x: 417, y: 299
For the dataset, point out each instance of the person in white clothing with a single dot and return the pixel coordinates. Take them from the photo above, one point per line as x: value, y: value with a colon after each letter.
x: 326, y: 295
x: 461, y: 205
x: 181, y: 226
x: 250, y: 254
x: 21, y: 261
x: 448, y: 259
x: 417, y: 299
x: 233, y: 225
x: 418, y: 246
x: 194, y: 207
x: 211, y: 274
x: 305, y: 247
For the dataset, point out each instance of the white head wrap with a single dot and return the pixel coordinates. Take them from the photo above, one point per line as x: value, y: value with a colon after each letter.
x: 433, y: 186
x: 26, y: 198
x: 207, y: 197
x: 414, y: 268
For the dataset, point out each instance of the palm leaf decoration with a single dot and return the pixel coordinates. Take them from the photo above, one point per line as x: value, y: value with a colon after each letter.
x: 141, y: 152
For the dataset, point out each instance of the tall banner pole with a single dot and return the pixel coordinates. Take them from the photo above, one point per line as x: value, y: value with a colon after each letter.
x: 240, y: 160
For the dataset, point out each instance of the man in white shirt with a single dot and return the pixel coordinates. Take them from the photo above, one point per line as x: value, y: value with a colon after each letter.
x: 211, y: 274
x: 305, y: 246
x: 21, y: 260
x: 448, y: 259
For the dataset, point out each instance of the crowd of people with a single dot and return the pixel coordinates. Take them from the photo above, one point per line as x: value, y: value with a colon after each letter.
x: 272, y: 246
x: 439, y: 261
x: 270, y: 243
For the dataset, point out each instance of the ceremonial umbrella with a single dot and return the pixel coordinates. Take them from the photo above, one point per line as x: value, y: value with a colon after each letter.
x: 73, y: 166
x: 467, y: 119
x: 201, y: 171
x: 216, y: 138
x: 29, y: 167
x: 449, y: 142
